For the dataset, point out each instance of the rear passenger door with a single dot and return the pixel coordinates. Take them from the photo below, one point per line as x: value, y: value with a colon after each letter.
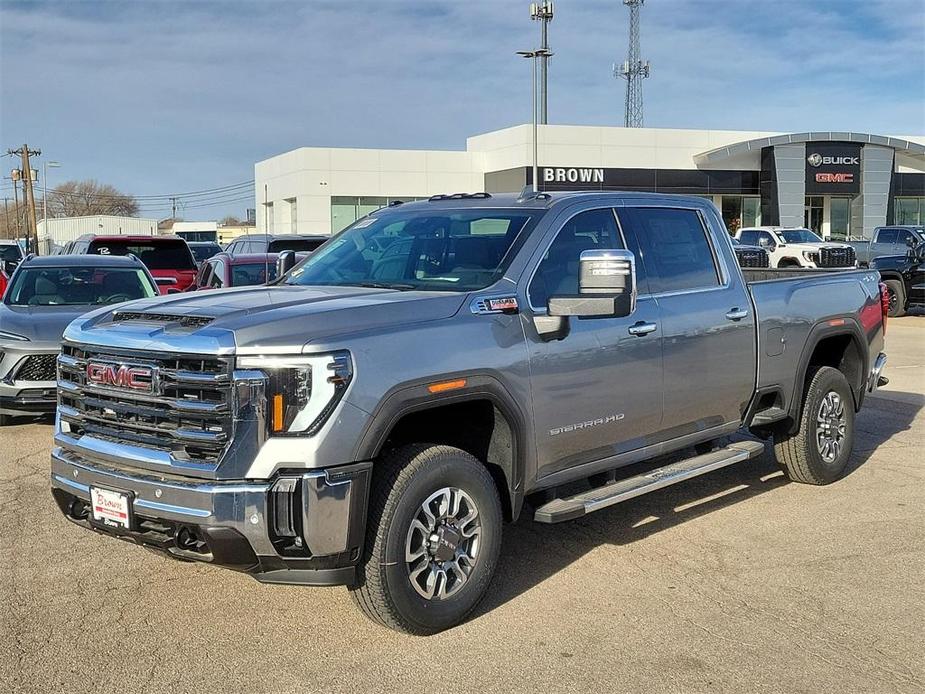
x: 884, y: 243
x: 706, y: 320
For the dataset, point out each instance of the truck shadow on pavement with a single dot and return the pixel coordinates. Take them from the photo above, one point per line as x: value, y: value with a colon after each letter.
x: 533, y: 552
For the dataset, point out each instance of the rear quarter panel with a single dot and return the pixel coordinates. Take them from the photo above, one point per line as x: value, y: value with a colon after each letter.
x: 795, y: 312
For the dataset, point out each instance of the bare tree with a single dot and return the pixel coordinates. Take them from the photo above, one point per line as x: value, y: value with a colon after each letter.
x: 230, y: 221
x: 89, y: 197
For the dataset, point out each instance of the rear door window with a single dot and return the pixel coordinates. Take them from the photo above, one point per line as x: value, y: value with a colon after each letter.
x: 886, y: 236
x: 674, y: 246
x: 161, y: 254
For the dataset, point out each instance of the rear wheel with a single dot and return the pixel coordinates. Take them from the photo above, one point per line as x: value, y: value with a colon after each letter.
x: 433, y: 539
x: 819, y: 450
x: 896, y: 298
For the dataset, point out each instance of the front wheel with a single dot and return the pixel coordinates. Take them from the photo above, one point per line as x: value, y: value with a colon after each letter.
x: 433, y: 539
x: 819, y: 450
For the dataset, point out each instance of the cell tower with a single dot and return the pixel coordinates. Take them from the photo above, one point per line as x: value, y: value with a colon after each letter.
x: 633, y: 70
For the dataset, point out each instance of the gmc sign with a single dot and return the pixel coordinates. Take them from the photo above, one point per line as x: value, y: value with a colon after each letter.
x: 109, y: 375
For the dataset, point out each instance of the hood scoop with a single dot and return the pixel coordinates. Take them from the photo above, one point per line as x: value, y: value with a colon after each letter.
x: 140, y: 317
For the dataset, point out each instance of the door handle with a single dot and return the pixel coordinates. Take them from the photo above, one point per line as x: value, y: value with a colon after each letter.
x: 640, y: 329
x: 737, y: 313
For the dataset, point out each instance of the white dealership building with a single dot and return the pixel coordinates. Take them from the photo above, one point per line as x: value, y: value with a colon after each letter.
x: 837, y: 183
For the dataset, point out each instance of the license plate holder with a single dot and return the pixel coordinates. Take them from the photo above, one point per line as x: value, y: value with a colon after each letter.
x: 111, y: 508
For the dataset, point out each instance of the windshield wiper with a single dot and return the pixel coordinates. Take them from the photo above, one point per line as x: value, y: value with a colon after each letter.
x: 383, y: 285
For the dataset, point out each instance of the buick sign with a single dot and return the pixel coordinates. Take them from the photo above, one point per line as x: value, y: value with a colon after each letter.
x: 816, y: 160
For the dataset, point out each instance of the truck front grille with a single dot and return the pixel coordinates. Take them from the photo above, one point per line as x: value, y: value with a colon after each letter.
x: 188, y: 414
x: 749, y: 258
x: 835, y: 257
x: 37, y: 367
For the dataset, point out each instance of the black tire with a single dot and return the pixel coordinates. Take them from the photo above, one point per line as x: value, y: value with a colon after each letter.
x: 5, y: 420
x: 402, y: 481
x: 897, y: 298
x: 799, y: 453
x: 788, y: 262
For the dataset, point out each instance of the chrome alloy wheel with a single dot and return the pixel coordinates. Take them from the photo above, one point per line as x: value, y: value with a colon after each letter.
x: 830, y: 426
x: 442, y: 545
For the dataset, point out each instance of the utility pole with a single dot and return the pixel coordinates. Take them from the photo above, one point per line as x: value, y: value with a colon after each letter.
x: 14, y: 176
x: 173, y: 209
x: 542, y: 12
x: 28, y: 197
x: 633, y: 70
x: 6, y: 213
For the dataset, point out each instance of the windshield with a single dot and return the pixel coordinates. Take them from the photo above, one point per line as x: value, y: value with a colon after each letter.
x: 301, y: 245
x: 163, y: 254
x: 446, y: 250
x: 799, y: 236
x: 246, y: 274
x: 204, y: 251
x: 10, y: 252
x: 63, y: 286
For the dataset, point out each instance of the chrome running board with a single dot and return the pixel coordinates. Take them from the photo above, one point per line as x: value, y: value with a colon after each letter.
x: 586, y: 502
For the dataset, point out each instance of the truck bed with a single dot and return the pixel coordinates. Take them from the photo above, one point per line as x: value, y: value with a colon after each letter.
x: 768, y: 274
x: 790, y: 303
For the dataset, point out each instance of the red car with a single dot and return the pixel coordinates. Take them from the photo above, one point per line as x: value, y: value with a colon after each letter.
x: 224, y: 270
x: 167, y: 257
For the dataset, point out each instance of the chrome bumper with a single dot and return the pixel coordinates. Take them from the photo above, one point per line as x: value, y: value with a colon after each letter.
x: 876, y: 378
x: 239, y: 522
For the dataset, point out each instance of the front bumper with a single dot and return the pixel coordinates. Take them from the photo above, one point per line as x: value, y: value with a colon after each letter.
x: 21, y: 396
x: 304, y: 527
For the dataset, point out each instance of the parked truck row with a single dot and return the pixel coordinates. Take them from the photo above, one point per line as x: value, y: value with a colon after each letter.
x: 375, y: 416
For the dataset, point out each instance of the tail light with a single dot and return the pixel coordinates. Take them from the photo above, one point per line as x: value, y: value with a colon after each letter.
x: 884, y: 304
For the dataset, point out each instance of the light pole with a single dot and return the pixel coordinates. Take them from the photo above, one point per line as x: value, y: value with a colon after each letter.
x: 45, y: 166
x: 533, y: 55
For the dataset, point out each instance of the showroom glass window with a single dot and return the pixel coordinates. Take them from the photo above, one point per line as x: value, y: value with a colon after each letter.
x: 910, y: 210
x: 741, y: 211
x: 839, y: 218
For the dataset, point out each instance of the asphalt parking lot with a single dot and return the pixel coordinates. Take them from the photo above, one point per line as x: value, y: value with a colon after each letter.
x: 736, y: 582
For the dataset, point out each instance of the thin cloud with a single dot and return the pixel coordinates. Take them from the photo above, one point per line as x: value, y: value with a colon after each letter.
x: 162, y: 96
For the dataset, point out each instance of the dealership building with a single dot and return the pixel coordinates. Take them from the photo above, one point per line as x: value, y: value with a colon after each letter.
x: 839, y: 184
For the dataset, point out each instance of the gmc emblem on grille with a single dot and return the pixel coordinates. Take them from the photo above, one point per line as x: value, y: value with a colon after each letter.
x: 140, y: 378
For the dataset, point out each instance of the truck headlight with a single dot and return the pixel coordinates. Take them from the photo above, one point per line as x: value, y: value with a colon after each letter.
x: 811, y: 256
x: 302, y: 390
x: 4, y: 335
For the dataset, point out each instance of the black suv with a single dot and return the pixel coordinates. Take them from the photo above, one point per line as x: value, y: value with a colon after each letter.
x: 274, y: 243
x: 904, y: 277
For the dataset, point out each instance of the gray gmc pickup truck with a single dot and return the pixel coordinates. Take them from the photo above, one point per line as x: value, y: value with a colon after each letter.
x: 373, y: 418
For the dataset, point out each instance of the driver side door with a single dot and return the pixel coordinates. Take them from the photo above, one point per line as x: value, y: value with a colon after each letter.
x: 597, y: 392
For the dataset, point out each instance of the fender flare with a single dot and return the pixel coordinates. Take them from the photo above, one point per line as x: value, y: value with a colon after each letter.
x: 845, y: 324
x: 413, y: 396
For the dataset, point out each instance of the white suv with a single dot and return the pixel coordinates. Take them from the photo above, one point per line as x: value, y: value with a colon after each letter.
x: 798, y: 247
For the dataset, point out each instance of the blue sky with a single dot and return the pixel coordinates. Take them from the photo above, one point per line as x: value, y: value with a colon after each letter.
x: 161, y: 97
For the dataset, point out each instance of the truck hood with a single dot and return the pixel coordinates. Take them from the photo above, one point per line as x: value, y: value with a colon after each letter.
x: 264, y: 320
x: 815, y: 246
x: 43, y: 326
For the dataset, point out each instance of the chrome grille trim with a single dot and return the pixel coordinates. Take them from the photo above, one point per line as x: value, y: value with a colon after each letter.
x: 187, y: 423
